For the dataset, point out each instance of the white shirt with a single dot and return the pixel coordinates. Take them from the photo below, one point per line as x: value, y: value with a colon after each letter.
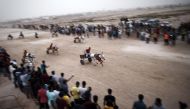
x: 147, y: 35
x: 55, y: 77
x: 82, y: 90
x: 156, y: 107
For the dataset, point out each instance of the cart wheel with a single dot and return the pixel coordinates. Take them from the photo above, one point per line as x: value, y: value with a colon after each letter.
x: 82, y: 62
x: 90, y: 59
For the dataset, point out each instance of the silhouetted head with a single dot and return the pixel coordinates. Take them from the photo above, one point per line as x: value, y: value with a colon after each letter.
x: 141, y: 97
x: 158, y: 102
x: 61, y: 94
x: 77, y: 84
x: 83, y: 83
x: 53, y: 72
x: 109, y: 91
x: 89, y: 89
x: 182, y: 105
x: 95, y: 98
x: 62, y: 74
x: 43, y: 61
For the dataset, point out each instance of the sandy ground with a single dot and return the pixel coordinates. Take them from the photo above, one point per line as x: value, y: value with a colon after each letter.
x: 131, y: 66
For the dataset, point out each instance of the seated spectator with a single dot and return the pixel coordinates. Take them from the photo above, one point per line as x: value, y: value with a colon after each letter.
x: 140, y: 103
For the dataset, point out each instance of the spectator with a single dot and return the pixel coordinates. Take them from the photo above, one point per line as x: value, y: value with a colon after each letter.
x: 82, y: 89
x: 51, y: 98
x: 140, y: 103
x: 43, y: 100
x: 87, y: 94
x: 63, y: 83
x: 147, y: 37
x: 158, y: 104
x: 61, y: 104
x: 166, y: 38
x: 109, y: 100
x: 54, y: 76
x: 67, y: 99
x: 182, y: 105
x: 95, y: 100
x: 75, y: 93
x: 43, y: 66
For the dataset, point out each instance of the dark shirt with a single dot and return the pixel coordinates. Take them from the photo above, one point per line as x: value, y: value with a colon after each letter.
x: 43, y: 67
x: 139, y: 105
x: 89, y: 105
x: 61, y: 104
x: 109, y: 99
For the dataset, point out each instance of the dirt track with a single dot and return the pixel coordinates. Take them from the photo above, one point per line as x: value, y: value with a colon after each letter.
x: 131, y: 66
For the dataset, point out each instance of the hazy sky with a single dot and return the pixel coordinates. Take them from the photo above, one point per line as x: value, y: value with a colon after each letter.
x: 15, y: 9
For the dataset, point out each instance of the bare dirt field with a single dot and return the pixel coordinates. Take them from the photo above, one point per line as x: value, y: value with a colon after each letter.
x: 131, y: 66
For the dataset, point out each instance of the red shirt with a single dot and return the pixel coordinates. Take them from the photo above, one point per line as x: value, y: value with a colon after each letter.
x: 42, y: 95
x: 88, y: 50
x: 166, y: 36
x: 45, y: 78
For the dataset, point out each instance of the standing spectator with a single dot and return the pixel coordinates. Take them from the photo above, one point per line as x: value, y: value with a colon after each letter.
x: 63, y: 83
x: 36, y: 35
x: 43, y: 100
x: 21, y: 35
x: 183, y: 33
x: 155, y: 39
x: 54, y: 76
x: 67, y: 99
x: 188, y: 38
x: 109, y: 100
x: 140, y: 103
x: 173, y: 37
x: 166, y: 38
x: 182, y: 105
x: 43, y: 66
x: 158, y: 104
x: 61, y: 104
x: 44, y: 77
x: 82, y: 89
x: 147, y: 37
x: 95, y: 100
x: 87, y: 94
x: 51, y: 98
x: 75, y: 93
